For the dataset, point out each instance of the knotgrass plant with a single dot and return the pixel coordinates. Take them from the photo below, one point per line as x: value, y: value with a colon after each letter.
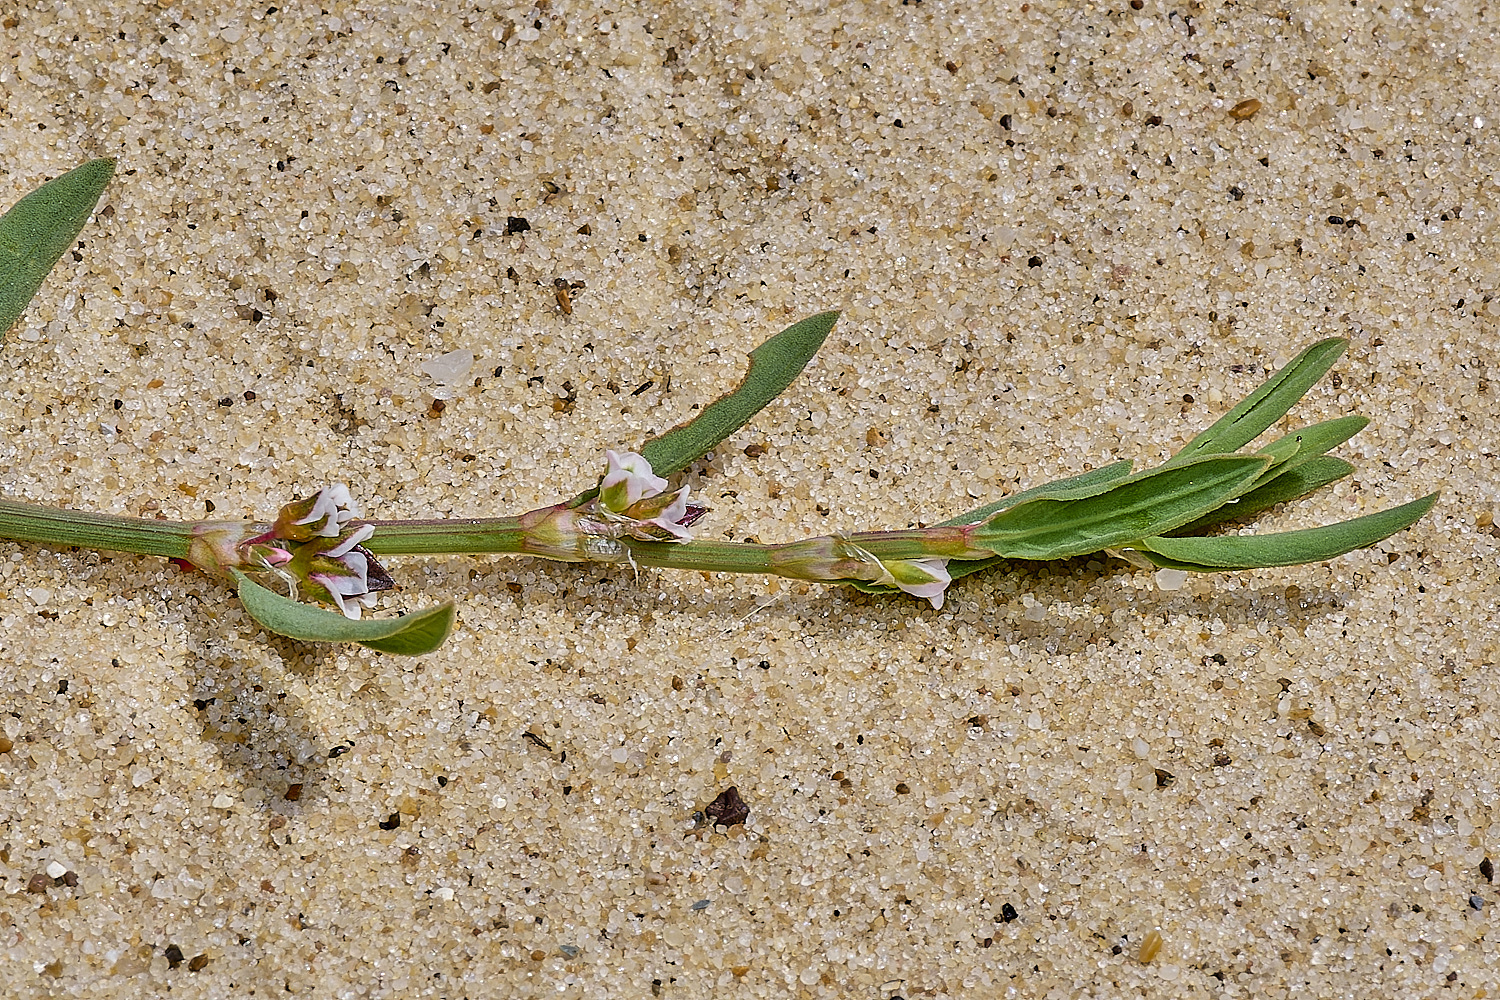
x: 321, y: 550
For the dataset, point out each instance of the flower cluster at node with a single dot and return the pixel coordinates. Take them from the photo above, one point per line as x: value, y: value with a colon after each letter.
x: 312, y: 548
x: 632, y: 503
x: 339, y: 571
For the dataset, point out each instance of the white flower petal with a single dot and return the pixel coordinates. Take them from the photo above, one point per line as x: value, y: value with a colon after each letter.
x: 349, y: 593
x: 357, y: 538
x: 669, y: 518
x: 932, y: 588
x: 335, y: 504
x: 634, y: 473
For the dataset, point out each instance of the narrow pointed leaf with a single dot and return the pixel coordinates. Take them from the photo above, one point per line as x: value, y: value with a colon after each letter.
x: 1077, y: 487
x: 409, y: 635
x: 1281, y: 451
x: 1321, y: 438
x: 1297, y: 482
x: 1310, y: 442
x: 1073, y: 488
x: 1265, y: 405
x: 1285, y: 548
x: 774, y: 365
x: 1163, y: 498
x: 1307, y: 471
x: 39, y: 228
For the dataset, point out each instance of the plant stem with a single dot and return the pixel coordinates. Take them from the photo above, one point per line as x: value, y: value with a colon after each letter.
x: 716, y: 557
x: 808, y: 559
x: 499, y: 535
x: 447, y: 536
x: 26, y: 522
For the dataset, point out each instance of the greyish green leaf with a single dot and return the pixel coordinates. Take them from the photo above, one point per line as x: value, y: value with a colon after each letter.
x: 39, y: 228
x: 774, y: 365
x: 1310, y: 442
x: 1076, y: 487
x: 1289, y: 485
x: 1310, y: 469
x: 409, y: 635
x: 1281, y: 451
x: 1163, y: 498
x: 1284, y: 548
x: 1265, y: 405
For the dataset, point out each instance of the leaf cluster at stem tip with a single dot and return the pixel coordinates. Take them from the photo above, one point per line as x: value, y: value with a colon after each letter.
x: 1162, y: 512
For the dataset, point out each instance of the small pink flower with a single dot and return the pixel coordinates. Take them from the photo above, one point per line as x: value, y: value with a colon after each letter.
x: 927, y: 577
x: 344, y: 574
x: 332, y: 508
x: 628, y: 481
x: 672, y: 522
x: 633, y: 504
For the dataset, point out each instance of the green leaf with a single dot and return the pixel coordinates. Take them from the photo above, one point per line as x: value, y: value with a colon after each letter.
x: 958, y: 570
x: 1077, y: 487
x: 1281, y: 451
x: 1310, y: 442
x: 1163, y: 498
x: 1306, y: 477
x: 409, y: 635
x: 1286, y: 548
x: 1073, y: 488
x: 1265, y: 405
x: 1307, y: 470
x: 773, y: 366
x: 39, y: 228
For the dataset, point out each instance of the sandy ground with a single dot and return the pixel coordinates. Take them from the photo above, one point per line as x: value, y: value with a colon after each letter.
x: 1061, y: 234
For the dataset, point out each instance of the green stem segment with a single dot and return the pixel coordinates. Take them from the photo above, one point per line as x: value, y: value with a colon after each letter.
x: 810, y: 559
x: 49, y: 526
x: 447, y: 536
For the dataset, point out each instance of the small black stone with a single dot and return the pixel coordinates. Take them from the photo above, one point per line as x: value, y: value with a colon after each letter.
x: 728, y: 809
x: 1008, y: 913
